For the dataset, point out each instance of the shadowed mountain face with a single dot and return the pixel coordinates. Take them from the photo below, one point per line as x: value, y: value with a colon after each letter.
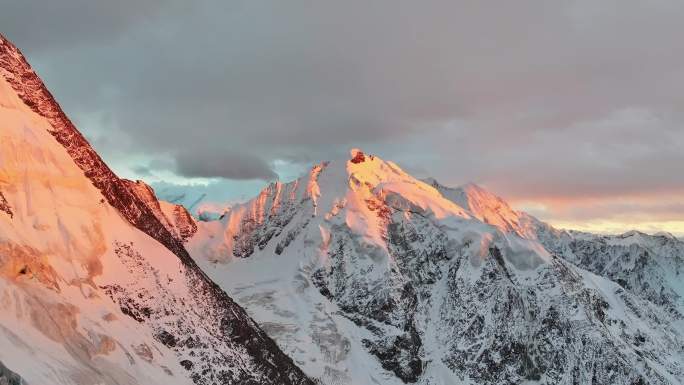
x: 95, y: 282
x: 365, y: 274
x: 8, y: 377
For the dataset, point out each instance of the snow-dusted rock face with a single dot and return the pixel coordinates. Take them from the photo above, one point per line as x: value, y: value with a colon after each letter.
x: 175, y: 218
x: 94, y: 288
x: 4, y: 206
x: 366, y: 275
x: 8, y: 377
x: 184, y: 225
x: 650, y: 266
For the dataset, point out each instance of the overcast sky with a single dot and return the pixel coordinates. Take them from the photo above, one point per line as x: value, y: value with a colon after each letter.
x: 573, y: 110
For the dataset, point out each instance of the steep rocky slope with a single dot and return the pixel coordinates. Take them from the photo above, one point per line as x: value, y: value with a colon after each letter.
x: 366, y: 275
x: 94, y: 287
x: 649, y: 266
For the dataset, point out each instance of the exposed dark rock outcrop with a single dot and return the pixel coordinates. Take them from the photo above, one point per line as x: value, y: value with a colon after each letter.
x: 183, y: 222
x: 4, y: 206
x: 177, y: 220
x: 8, y: 377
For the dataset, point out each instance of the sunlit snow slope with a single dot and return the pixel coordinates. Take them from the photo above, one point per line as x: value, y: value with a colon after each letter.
x: 56, y: 237
x: 94, y: 288
x: 366, y: 275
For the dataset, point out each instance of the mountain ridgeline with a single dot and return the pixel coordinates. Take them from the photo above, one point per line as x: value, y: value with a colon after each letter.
x: 96, y: 286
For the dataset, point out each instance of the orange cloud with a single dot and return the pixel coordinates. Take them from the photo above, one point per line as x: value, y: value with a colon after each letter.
x: 647, y: 213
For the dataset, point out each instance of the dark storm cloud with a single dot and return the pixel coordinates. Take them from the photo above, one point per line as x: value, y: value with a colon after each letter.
x: 533, y: 98
x: 229, y: 165
x: 57, y: 24
x: 629, y: 152
x: 143, y: 171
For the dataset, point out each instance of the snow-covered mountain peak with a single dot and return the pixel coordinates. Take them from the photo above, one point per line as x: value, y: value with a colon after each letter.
x: 397, y: 280
x: 373, y: 171
x: 362, y: 194
x: 371, y: 175
x: 359, y: 194
x: 357, y: 154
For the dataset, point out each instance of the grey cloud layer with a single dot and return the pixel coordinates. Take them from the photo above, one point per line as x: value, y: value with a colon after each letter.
x: 53, y: 25
x: 240, y: 166
x: 533, y: 98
